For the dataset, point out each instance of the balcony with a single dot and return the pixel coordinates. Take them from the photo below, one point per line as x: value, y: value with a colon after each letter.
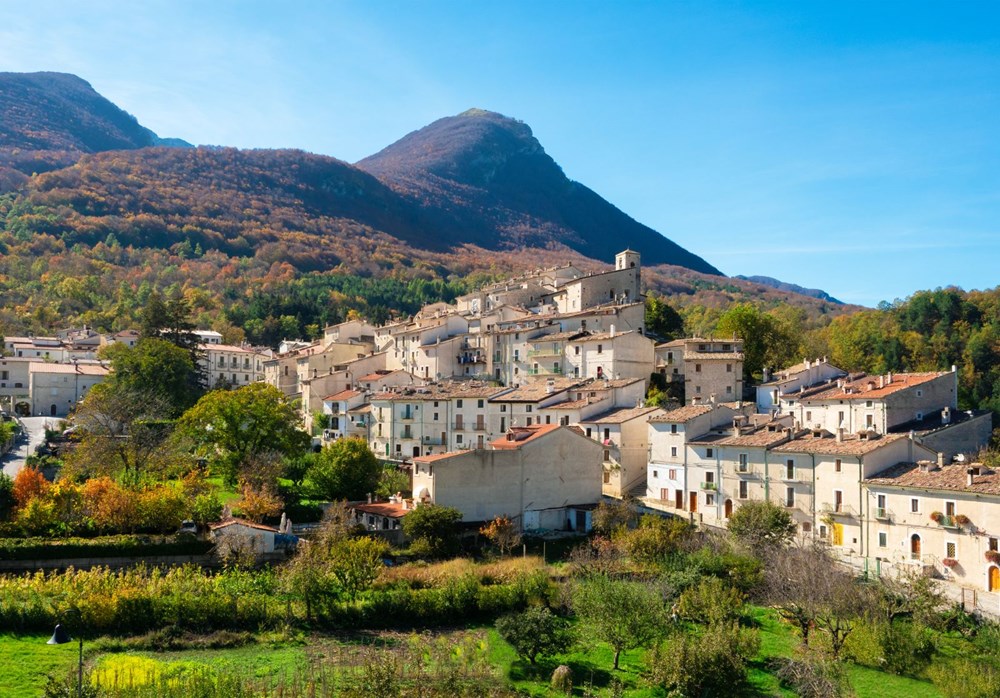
x: 883, y: 514
x: 954, y: 522
x: 543, y: 371
x: 433, y: 441
x: 544, y: 352
x: 407, y: 417
x: 472, y: 359
x: 709, y: 486
x: 841, y: 509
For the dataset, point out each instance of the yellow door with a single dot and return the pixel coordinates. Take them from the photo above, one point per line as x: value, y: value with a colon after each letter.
x: 994, y: 578
x: 838, y: 534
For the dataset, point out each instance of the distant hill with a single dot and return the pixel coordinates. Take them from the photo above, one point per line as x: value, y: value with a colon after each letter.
x: 794, y: 288
x: 492, y: 175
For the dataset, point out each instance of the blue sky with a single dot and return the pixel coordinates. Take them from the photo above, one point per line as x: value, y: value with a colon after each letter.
x: 853, y: 147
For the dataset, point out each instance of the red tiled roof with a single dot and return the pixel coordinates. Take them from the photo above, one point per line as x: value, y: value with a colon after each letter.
x: 518, y: 436
x: 874, y: 387
x: 342, y: 395
x: 949, y: 477
x: 392, y: 509
x: 242, y: 522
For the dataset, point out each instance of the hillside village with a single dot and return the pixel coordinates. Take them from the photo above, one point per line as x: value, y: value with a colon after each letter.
x: 527, y: 399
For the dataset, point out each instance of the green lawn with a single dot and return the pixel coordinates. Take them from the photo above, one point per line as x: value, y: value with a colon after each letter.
x: 25, y: 661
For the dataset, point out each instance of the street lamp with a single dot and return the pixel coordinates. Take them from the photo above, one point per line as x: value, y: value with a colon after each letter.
x: 61, y: 637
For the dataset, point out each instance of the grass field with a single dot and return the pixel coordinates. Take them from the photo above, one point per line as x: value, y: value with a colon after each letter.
x: 26, y: 660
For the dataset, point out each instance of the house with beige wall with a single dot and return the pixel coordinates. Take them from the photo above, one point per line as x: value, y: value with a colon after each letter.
x: 624, y: 437
x: 55, y: 389
x: 543, y: 477
x: 938, y: 518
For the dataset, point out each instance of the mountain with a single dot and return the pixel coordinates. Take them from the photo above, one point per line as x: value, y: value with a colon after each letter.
x: 95, y: 212
x: 793, y: 288
x: 47, y: 120
x: 490, y: 173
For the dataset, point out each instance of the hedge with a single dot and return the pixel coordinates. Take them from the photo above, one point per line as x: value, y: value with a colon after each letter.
x: 102, y: 546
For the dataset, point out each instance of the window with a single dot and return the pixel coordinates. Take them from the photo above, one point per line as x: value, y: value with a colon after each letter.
x: 710, y: 478
x: 529, y: 422
x: 883, y: 539
x: 656, y: 474
x: 709, y: 452
x: 435, y: 403
x: 480, y: 404
x: 710, y: 499
x: 697, y: 368
x: 836, y: 466
x: 790, y: 469
x: 915, y: 505
x: 697, y: 389
x: 435, y: 416
x: 920, y: 393
x: 950, y: 549
x: 672, y: 474
x: 527, y: 408
x: 729, y: 368
x: 600, y: 348
x: 838, y: 500
x: 458, y: 403
x: 458, y: 438
x: 548, y: 419
x: 993, y: 543
x: 576, y: 350
x: 673, y: 451
x: 744, y: 489
x: 869, y: 420
x: 949, y: 508
x: 589, y: 432
x: 673, y: 428
x: 607, y: 434
x: 869, y: 403
x: 607, y: 456
x: 503, y: 408
x: 744, y: 464
x: 789, y: 496
x: 729, y: 390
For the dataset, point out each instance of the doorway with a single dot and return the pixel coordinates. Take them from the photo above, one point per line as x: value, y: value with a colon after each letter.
x: 729, y: 508
x: 994, y: 582
x: 693, y: 502
x: 914, y: 547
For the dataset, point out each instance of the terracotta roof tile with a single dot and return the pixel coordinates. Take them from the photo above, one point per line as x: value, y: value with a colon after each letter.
x: 873, y: 387
x: 949, y: 477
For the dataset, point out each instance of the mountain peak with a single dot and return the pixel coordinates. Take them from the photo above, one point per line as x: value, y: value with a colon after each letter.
x: 492, y: 166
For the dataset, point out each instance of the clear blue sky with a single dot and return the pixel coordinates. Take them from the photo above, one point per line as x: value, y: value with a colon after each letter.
x: 853, y: 147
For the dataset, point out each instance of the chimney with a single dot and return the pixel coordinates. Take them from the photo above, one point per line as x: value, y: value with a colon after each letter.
x: 946, y: 416
x: 970, y: 476
x: 767, y: 375
x: 612, y: 332
x: 806, y: 362
x: 940, y: 460
x: 369, y: 497
x: 840, y: 435
x: 954, y: 368
x: 881, y: 381
x: 888, y: 378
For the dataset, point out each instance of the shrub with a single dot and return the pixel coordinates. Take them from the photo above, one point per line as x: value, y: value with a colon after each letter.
x: 712, y: 663
x: 534, y: 632
x: 760, y: 524
x: 711, y: 601
x: 812, y: 676
x: 433, y: 529
x: 562, y: 679
x: 656, y: 538
x: 965, y: 678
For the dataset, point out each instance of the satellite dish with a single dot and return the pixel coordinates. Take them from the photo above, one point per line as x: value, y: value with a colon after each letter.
x: 960, y: 458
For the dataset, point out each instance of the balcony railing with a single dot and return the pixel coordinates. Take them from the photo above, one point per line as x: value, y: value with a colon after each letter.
x: 543, y: 371
x: 434, y: 441
x: 709, y: 486
x: 841, y: 509
x: 469, y: 426
x: 544, y: 352
x: 883, y: 514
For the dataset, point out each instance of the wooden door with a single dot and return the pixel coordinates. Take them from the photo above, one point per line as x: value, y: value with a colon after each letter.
x: 914, y: 547
x: 994, y: 584
x: 679, y: 499
x: 693, y: 502
x: 729, y: 508
x: 838, y: 534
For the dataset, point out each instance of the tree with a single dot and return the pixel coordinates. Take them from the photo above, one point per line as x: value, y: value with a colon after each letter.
x: 434, y: 528
x: 760, y: 524
x: 656, y: 538
x: 622, y: 613
x: 345, y: 469
x: 257, y: 504
x: 502, y: 532
x: 29, y: 483
x: 661, y: 319
x: 155, y: 368
x: 231, y: 426
x: 355, y: 563
x: 535, y: 632
x: 122, y: 431
x: 7, y: 500
x: 764, y: 338
x: 611, y: 516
